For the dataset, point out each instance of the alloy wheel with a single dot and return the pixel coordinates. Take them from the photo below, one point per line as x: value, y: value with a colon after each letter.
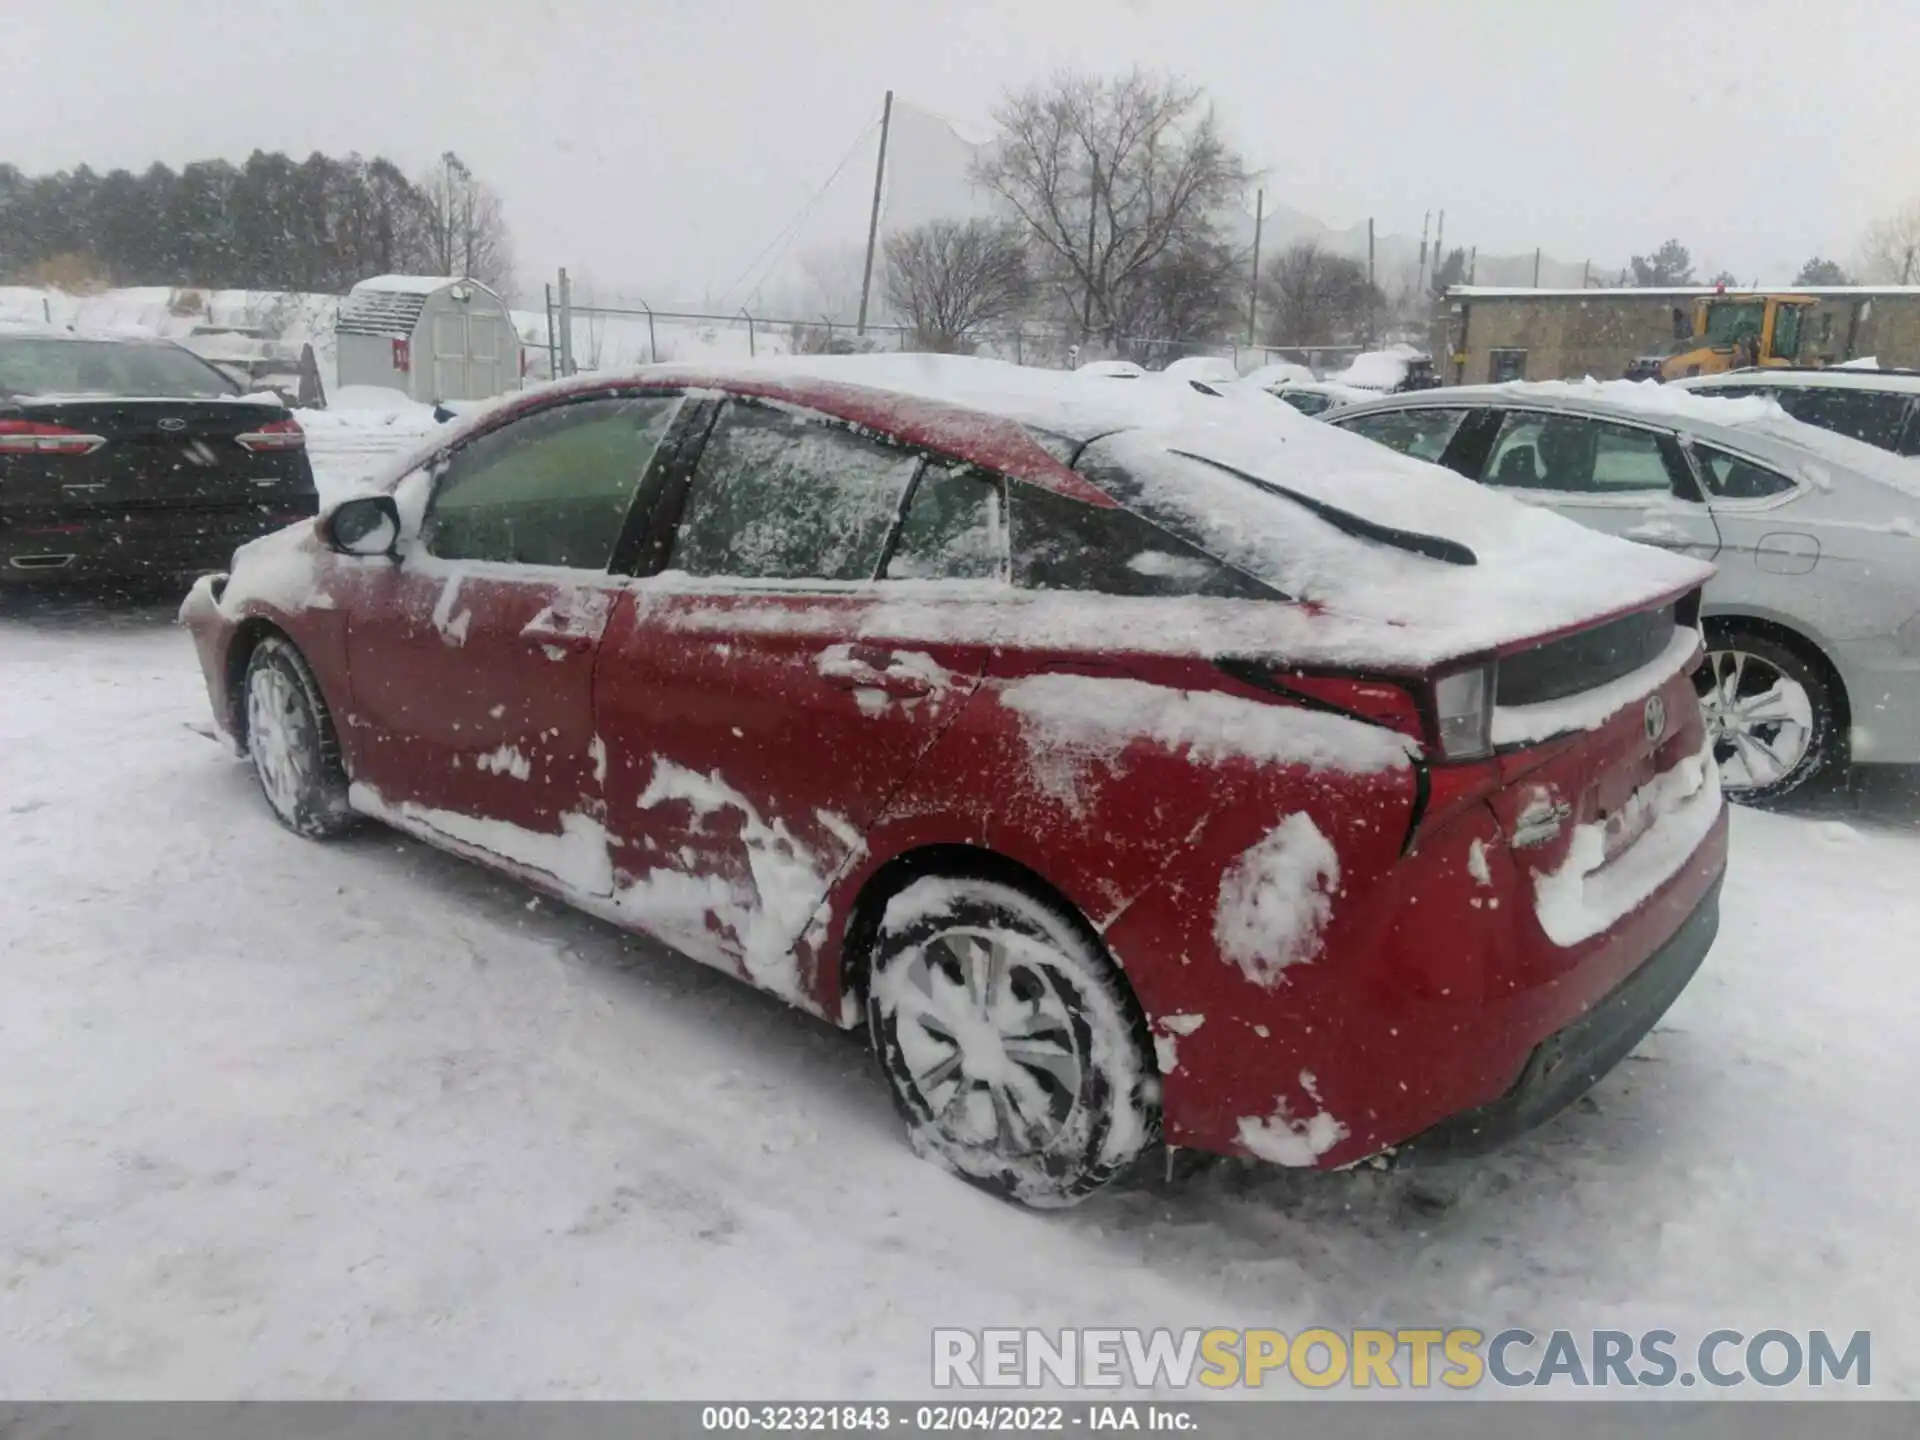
x: 1759, y: 719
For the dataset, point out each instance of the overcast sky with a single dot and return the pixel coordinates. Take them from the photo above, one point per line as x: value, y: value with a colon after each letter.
x: 660, y: 145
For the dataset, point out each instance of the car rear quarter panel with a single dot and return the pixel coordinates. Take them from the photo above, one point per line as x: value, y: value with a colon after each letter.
x: 1139, y: 839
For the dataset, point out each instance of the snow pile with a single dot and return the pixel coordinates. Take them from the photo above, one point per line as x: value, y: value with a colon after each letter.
x: 1588, y: 893
x: 1207, y: 369
x: 1281, y: 1139
x: 1169, y: 1030
x: 1276, y: 899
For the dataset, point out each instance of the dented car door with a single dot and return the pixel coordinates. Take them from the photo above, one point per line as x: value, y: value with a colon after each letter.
x: 473, y: 658
x: 766, y: 696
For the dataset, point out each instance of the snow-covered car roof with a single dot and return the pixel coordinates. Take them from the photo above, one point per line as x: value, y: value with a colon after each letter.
x: 1834, y: 377
x: 1752, y: 424
x: 1210, y: 369
x: 1278, y: 372
x: 1253, y: 479
x: 1340, y: 394
x: 1112, y: 369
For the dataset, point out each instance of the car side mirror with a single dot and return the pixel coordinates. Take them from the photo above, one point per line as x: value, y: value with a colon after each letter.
x: 364, y: 525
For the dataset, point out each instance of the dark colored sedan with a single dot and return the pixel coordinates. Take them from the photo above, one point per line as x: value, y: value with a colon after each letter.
x: 134, y: 461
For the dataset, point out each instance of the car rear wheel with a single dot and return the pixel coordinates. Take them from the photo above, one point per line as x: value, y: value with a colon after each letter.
x: 1771, y: 715
x: 296, y: 756
x: 1010, y: 1041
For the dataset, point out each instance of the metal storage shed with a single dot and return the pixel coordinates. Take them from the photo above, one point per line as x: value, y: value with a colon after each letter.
x: 436, y: 337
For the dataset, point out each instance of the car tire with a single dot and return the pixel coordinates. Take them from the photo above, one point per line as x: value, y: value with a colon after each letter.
x: 1011, y: 1043
x: 291, y: 740
x: 1772, y: 714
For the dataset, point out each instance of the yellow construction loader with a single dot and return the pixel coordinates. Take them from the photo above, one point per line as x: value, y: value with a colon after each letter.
x: 1731, y: 332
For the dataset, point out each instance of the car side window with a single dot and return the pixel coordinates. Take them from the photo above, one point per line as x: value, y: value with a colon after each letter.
x: 1422, y: 433
x: 1730, y: 477
x: 954, y: 527
x: 782, y: 495
x: 1307, y: 402
x: 552, y: 488
x: 1570, y: 455
x: 1063, y: 544
x: 1873, y: 416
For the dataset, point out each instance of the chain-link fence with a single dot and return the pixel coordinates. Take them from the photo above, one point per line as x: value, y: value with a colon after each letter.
x: 600, y: 335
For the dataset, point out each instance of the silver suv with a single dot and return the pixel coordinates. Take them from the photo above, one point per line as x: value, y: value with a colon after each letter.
x: 1813, y: 621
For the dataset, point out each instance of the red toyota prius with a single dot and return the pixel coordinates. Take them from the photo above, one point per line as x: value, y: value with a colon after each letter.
x: 1137, y: 763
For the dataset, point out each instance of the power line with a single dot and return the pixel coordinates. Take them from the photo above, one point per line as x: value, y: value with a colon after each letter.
x: 791, y: 230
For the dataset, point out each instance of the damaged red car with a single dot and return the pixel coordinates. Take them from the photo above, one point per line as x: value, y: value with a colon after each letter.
x: 1139, y: 764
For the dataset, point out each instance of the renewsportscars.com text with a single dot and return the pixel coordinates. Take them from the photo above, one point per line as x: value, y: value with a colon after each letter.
x: 1457, y: 1359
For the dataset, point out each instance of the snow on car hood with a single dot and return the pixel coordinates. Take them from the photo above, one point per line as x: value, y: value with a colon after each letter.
x: 1536, y: 572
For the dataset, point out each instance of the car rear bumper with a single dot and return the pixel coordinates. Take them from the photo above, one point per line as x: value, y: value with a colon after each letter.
x: 75, y: 549
x: 1883, y: 694
x: 1569, y: 1062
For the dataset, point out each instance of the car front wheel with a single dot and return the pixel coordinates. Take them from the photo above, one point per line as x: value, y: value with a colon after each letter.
x: 296, y: 757
x: 1011, y: 1043
x: 1771, y: 715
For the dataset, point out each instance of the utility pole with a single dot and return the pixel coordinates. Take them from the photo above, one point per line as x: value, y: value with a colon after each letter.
x: 1473, y: 264
x: 1536, y: 267
x: 1425, y: 221
x: 873, y: 220
x: 1906, y: 269
x: 1586, y: 274
x: 1439, y: 242
x: 1371, y: 291
x: 566, y: 323
x: 1253, y: 290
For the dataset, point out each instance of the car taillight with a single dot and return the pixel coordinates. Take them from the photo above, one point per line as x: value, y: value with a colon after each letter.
x: 1463, y: 714
x: 30, y: 437
x: 277, y: 435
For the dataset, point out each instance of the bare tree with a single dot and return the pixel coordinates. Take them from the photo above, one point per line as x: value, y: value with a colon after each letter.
x: 467, y: 227
x: 1311, y: 296
x: 1890, y: 250
x: 951, y: 278
x: 1110, y: 177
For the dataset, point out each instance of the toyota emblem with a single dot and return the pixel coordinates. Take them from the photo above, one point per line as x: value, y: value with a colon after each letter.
x: 173, y: 423
x: 1656, y: 718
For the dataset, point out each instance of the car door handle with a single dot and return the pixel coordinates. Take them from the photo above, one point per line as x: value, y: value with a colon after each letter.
x: 863, y: 669
x: 571, y: 641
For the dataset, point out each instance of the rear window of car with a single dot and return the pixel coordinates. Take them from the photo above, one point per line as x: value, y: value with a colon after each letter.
x: 1423, y: 432
x: 1877, y: 417
x: 33, y: 365
x: 1063, y: 544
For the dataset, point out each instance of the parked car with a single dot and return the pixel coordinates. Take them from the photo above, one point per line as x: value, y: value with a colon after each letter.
x: 131, y: 460
x: 1813, y: 621
x: 1117, y: 754
x: 1207, y: 369
x: 1392, y: 371
x: 1316, y: 397
x: 1878, y: 407
x: 1112, y: 369
x: 1279, y: 372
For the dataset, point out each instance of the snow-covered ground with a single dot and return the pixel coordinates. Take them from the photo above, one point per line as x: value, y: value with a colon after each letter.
x: 286, y: 1119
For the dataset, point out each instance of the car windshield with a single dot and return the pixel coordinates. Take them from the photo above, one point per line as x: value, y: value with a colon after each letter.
x: 36, y: 365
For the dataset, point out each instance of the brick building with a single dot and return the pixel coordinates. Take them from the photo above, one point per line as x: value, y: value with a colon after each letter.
x: 1482, y: 333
